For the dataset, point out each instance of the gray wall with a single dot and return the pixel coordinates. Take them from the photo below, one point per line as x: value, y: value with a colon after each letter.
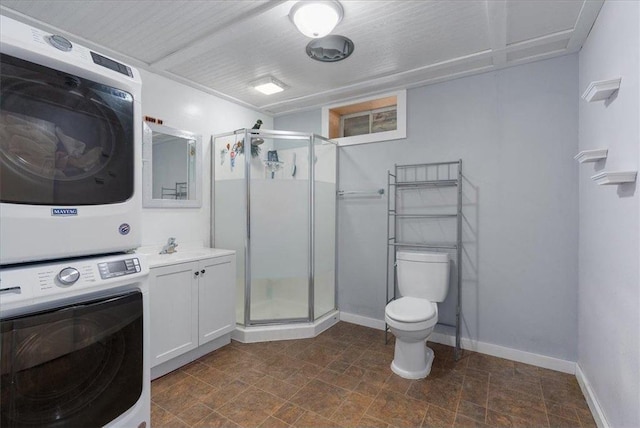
x: 609, y: 294
x: 516, y: 132
x: 306, y: 121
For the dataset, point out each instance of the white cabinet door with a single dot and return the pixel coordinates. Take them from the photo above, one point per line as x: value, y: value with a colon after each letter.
x: 217, y: 297
x: 173, y: 299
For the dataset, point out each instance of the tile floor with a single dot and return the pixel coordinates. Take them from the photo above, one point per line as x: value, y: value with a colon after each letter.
x: 342, y: 379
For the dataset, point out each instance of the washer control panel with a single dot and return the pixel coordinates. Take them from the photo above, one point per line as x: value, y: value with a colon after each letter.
x: 116, y: 268
x: 36, y: 285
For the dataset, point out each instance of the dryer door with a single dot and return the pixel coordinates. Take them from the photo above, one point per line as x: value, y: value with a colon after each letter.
x: 64, y: 140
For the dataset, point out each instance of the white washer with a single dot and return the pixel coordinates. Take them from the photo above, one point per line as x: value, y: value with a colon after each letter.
x: 74, y: 343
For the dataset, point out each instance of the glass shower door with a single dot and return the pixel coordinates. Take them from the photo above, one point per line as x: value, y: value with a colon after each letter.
x: 279, y: 234
x: 324, y: 252
x: 230, y: 211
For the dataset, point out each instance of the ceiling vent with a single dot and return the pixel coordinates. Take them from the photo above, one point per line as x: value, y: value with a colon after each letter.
x: 330, y: 49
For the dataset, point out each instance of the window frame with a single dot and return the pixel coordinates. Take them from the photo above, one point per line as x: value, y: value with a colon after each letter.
x: 370, y: 114
x: 401, y: 117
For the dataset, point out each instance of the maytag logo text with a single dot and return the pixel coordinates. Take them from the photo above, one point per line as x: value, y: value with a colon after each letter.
x: 64, y: 212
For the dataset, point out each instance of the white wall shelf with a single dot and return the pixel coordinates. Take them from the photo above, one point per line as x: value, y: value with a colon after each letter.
x: 591, y: 155
x: 601, y: 90
x: 617, y: 177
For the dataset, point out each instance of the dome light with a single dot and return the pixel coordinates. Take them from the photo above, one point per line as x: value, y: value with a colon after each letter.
x: 316, y: 19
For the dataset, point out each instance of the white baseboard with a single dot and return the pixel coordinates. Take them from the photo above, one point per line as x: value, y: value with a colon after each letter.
x: 481, y: 347
x: 592, y: 400
x: 186, y: 358
x: 363, y: 321
x: 507, y: 353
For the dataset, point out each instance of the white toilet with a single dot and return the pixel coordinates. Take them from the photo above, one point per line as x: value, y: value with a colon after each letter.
x: 423, y: 280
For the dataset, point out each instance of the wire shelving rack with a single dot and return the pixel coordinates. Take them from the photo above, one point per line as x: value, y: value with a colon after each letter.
x: 418, y: 177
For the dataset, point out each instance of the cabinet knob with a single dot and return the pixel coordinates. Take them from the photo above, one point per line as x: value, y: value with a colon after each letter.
x: 196, y: 273
x: 202, y: 271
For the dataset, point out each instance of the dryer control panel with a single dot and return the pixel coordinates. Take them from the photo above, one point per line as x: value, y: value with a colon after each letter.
x: 118, y: 268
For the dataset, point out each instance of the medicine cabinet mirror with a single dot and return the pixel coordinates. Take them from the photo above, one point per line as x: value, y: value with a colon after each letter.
x: 172, y: 167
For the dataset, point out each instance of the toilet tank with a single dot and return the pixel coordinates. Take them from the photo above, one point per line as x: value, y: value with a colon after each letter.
x: 423, y: 275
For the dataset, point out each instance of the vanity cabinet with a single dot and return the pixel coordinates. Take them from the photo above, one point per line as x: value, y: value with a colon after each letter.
x: 191, y: 303
x: 173, y: 301
x: 216, y: 298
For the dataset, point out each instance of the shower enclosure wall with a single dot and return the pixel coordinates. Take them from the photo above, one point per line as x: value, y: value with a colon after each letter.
x: 274, y: 203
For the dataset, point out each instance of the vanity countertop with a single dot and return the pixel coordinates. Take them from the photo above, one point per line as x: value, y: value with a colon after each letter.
x: 182, y: 255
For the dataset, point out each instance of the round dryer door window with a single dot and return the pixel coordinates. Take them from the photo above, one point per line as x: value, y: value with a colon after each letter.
x: 64, y: 140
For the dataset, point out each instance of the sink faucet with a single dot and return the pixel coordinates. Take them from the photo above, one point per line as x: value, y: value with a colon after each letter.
x: 170, y: 247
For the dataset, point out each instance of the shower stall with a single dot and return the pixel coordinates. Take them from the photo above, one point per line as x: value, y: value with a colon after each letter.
x: 274, y: 202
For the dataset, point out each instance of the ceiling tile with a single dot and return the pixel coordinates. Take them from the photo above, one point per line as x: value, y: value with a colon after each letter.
x: 391, y: 40
x: 221, y: 46
x: 527, y: 19
x: 146, y: 30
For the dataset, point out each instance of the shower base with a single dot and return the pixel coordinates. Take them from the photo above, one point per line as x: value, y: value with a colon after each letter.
x: 267, y: 333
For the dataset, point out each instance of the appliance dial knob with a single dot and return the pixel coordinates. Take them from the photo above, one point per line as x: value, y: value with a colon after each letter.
x: 60, y: 42
x: 68, y: 276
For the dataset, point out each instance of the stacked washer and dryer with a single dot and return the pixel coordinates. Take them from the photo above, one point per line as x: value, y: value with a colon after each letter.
x: 73, y: 298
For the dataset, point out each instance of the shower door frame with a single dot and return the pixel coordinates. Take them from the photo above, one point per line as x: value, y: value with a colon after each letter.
x: 282, y: 135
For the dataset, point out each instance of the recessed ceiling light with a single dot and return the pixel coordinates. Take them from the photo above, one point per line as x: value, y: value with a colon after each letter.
x: 316, y: 19
x: 268, y: 85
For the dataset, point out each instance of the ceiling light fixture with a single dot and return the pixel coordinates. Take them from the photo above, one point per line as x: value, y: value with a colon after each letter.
x: 269, y: 85
x: 316, y: 19
x: 330, y: 48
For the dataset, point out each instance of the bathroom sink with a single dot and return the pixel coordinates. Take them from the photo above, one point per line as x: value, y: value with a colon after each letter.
x: 181, y: 255
x: 185, y: 254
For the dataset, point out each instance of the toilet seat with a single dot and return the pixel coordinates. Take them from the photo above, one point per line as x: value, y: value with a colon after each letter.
x: 411, y: 314
x: 411, y: 309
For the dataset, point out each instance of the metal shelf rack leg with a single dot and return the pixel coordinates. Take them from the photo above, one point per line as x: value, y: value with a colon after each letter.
x: 458, y: 350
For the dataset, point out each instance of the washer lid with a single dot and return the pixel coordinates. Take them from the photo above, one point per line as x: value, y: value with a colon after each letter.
x: 411, y: 309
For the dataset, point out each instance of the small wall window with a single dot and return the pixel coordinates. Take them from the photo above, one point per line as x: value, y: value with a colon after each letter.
x: 368, y: 120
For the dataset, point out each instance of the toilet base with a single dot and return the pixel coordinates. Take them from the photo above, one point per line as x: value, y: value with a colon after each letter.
x: 412, y: 360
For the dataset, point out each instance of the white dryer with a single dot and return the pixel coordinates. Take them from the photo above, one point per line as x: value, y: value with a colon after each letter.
x: 70, y: 148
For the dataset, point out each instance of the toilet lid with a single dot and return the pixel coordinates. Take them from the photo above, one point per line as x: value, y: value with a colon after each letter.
x: 411, y: 309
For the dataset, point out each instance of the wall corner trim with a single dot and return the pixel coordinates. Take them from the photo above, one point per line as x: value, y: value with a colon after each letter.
x: 363, y: 321
x: 592, y: 400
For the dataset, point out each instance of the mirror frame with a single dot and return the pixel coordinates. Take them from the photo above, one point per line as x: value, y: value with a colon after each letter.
x: 147, y: 168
